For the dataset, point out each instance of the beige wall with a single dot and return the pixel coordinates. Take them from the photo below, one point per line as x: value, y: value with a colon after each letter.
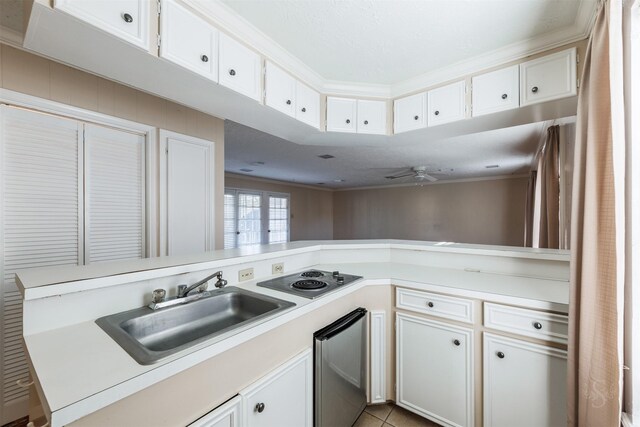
x: 486, y: 212
x: 23, y: 72
x: 311, y: 209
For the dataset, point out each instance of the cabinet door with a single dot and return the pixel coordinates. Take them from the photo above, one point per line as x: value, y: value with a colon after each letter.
x: 226, y: 415
x: 548, y: 78
x: 40, y: 225
x: 307, y: 105
x: 114, y: 194
x: 126, y: 19
x: 283, y: 398
x: 446, y: 104
x: 239, y: 67
x: 410, y: 113
x: 280, y: 89
x: 188, y: 40
x: 434, y: 370
x: 341, y: 115
x: 496, y: 91
x: 524, y: 384
x: 190, y: 182
x: 372, y: 117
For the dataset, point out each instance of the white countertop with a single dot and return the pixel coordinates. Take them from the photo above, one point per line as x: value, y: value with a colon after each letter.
x: 81, y: 365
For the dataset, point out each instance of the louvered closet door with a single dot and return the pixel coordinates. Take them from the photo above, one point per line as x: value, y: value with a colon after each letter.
x: 40, y: 224
x: 114, y: 194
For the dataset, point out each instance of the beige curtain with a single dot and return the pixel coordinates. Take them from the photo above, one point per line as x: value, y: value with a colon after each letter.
x: 550, y: 191
x: 597, y: 232
x: 529, y: 209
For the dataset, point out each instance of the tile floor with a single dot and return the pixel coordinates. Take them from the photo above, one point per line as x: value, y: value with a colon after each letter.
x: 390, y: 415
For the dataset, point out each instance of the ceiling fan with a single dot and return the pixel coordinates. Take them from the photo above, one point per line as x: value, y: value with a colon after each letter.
x: 419, y: 173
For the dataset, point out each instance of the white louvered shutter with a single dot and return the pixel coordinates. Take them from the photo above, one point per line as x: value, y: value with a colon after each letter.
x: 115, y: 194
x: 40, y: 223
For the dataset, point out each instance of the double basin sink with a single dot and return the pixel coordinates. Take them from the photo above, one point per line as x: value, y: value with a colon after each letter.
x: 152, y: 335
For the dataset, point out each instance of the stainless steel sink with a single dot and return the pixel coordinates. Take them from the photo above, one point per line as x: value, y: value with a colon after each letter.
x: 150, y: 336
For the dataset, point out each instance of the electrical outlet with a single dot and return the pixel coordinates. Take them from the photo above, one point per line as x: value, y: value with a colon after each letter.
x: 246, y: 274
x: 277, y: 268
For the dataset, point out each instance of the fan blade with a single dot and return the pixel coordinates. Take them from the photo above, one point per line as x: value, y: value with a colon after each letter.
x: 430, y: 178
x: 400, y: 176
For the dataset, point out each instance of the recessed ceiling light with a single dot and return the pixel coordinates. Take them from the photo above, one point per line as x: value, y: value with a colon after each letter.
x: 327, y: 156
x: 492, y: 166
x: 257, y: 163
x: 338, y: 180
x: 246, y: 170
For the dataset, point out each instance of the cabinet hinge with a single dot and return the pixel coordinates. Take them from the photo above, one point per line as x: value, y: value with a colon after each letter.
x: 159, y: 7
x: 159, y: 40
x: 577, y: 58
x: 166, y: 150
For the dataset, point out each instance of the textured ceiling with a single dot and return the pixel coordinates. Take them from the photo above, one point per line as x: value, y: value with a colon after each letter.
x: 511, y: 148
x: 385, y: 42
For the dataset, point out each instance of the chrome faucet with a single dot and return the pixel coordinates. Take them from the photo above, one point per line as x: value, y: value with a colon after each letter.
x: 202, y: 285
x: 183, y: 297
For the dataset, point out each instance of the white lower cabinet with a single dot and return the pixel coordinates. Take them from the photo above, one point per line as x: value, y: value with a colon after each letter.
x: 434, y: 370
x: 524, y: 384
x: 226, y: 415
x: 283, y: 398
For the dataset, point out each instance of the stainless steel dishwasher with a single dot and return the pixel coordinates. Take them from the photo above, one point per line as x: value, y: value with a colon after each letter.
x: 340, y: 371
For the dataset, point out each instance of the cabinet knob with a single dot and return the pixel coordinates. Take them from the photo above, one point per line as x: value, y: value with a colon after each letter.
x: 127, y: 18
x: 430, y: 304
x: 288, y: 102
x: 366, y: 122
x: 348, y: 121
x: 237, y: 232
x: 204, y: 58
x: 259, y: 407
x: 534, y: 89
x: 500, y: 355
x: 415, y: 117
x: 504, y: 96
x: 232, y: 72
x: 537, y: 325
x: 456, y: 342
x: 304, y: 110
x: 437, y: 113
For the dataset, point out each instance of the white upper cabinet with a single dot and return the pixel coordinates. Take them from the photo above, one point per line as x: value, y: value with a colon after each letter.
x: 126, y: 19
x: 446, y: 104
x: 372, y: 117
x: 548, y: 78
x: 341, y: 114
x: 410, y: 113
x: 307, y: 105
x: 280, y: 88
x: 290, y: 96
x: 240, y: 67
x: 496, y: 91
x: 188, y: 40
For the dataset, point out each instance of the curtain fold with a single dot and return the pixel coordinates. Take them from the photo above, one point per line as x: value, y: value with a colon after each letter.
x: 529, y: 209
x: 550, y: 191
x: 594, y: 383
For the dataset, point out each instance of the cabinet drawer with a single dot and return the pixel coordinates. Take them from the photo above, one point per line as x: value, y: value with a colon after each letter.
x: 548, y: 78
x: 530, y: 323
x: 435, y: 304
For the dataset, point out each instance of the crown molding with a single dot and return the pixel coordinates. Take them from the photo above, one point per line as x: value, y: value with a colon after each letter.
x: 273, y: 181
x: 225, y: 18
x: 438, y: 182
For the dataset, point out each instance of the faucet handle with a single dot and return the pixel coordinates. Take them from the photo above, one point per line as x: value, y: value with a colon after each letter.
x: 181, y: 289
x: 158, y: 295
x: 203, y: 287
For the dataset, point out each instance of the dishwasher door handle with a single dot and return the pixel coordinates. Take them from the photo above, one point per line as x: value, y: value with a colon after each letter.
x: 345, y: 322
